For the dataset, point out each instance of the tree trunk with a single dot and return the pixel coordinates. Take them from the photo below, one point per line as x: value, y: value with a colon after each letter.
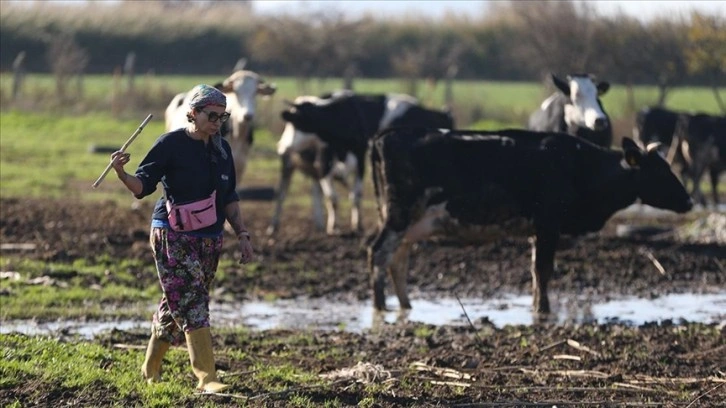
x: 630, y: 97
x: 719, y: 101
x: 662, y: 93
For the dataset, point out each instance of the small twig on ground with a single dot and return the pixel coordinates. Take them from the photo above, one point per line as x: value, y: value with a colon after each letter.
x: 222, y: 394
x: 566, y: 357
x: 479, y: 342
x: 635, y: 387
x: 238, y: 373
x: 549, y: 404
x: 704, y: 394
x: 553, y: 345
x: 453, y: 383
x: 296, y: 389
x: 576, y: 345
x: 441, y: 372
x: 653, y: 260
x: 567, y: 373
x: 128, y: 346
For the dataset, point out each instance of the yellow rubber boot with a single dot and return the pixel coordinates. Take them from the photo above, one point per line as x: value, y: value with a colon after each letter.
x: 201, y: 356
x: 151, y: 369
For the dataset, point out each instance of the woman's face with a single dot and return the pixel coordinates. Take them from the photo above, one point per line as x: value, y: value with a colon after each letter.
x: 210, y: 118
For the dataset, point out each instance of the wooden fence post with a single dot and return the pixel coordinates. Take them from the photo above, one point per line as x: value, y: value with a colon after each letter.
x: 129, y: 71
x: 18, y: 73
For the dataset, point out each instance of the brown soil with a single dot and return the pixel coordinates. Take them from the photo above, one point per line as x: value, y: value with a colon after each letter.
x: 653, y: 363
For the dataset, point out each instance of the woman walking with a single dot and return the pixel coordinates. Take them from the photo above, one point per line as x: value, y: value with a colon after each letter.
x: 195, y: 168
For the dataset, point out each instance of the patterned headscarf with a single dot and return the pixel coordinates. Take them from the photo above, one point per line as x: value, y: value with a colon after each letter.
x: 205, y: 95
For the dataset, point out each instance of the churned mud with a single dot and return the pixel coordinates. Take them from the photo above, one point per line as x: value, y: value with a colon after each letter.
x: 667, y: 363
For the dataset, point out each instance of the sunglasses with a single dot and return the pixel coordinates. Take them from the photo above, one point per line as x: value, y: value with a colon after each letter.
x: 214, y: 116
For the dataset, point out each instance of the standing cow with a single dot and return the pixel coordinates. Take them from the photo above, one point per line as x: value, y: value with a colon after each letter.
x: 702, y: 143
x: 307, y: 153
x: 658, y: 125
x: 695, y: 142
x: 576, y: 109
x: 241, y: 89
x: 479, y: 186
x: 344, y: 124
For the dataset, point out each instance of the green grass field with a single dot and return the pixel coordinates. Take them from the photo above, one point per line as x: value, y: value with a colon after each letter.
x: 45, y: 147
x: 473, y: 100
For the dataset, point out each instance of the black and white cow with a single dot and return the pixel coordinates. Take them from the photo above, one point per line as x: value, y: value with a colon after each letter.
x: 241, y: 89
x: 702, y: 142
x: 576, y: 110
x: 345, y: 124
x: 478, y: 186
x: 658, y: 125
x: 305, y: 152
x: 695, y: 142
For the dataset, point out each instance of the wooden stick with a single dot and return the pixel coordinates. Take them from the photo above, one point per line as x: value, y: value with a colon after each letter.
x: 703, y: 395
x: 574, y: 344
x: 123, y: 149
x: 653, y: 260
x: 479, y: 342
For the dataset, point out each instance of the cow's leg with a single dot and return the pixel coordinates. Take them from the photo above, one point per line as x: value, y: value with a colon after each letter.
x: 357, y: 193
x: 355, y: 197
x: 379, y: 258
x: 543, y: 261
x: 240, y: 149
x: 286, y: 171
x: 714, y: 172
x: 398, y: 271
x: 422, y: 229
x: 324, y: 188
x: 697, y: 171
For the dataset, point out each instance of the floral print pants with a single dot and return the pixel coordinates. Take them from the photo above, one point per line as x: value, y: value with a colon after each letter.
x: 186, y: 266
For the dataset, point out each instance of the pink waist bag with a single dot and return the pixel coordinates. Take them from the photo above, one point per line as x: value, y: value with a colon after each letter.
x: 193, y: 216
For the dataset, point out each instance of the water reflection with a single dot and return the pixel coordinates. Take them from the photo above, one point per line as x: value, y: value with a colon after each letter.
x: 322, y: 314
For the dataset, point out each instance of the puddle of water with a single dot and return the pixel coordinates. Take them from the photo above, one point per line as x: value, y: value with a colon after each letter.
x: 321, y: 314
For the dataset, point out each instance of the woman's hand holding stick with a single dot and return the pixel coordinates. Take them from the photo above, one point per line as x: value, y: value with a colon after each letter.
x: 123, y: 149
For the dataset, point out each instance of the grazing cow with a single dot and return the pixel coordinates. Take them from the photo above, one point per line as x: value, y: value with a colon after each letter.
x: 241, y: 89
x: 478, y: 186
x: 345, y: 123
x: 702, y: 142
x: 576, y: 110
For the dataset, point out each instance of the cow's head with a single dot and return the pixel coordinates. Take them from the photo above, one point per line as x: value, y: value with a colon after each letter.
x: 656, y: 184
x: 584, y: 108
x: 303, y: 116
x: 299, y: 133
x: 246, y: 85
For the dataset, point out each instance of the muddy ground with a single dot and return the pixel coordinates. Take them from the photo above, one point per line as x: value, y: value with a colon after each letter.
x: 667, y: 364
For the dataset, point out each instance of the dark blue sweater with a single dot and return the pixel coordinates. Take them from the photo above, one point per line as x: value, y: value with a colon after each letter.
x: 188, y: 170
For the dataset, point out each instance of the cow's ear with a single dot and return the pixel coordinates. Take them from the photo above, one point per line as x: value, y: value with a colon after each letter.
x: 266, y: 89
x: 631, y: 152
x: 286, y: 116
x: 602, y: 87
x: 563, y: 86
x: 226, y: 86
